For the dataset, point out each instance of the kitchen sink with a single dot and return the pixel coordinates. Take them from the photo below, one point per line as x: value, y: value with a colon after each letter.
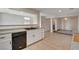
x: 31, y: 28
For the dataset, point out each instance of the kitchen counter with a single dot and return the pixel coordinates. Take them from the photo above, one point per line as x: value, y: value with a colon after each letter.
x: 11, y: 31
x: 6, y: 31
x: 16, y: 26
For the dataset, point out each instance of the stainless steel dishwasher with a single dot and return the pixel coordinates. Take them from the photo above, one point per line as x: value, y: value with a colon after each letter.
x: 18, y: 40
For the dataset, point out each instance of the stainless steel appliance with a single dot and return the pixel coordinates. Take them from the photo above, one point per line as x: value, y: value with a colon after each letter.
x: 18, y: 40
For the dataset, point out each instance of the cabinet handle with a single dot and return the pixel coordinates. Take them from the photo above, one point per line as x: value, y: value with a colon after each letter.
x: 10, y: 42
x: 2, y: 37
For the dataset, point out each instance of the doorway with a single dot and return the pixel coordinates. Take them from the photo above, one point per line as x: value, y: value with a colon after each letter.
x: 64, y: 25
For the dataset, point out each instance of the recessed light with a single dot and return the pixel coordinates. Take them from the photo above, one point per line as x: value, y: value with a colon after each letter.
x: 59, y: 10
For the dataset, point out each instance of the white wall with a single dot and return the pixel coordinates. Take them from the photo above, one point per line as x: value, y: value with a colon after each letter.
x: 56, y: 27
x: 16, y: 17
x: 45, y: 23
x: 78, y: 23
x: 28, y: 12
x: 10, y: 19
x: 68, y: 24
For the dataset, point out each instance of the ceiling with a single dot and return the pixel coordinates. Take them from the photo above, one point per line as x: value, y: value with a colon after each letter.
x: 59, y: 12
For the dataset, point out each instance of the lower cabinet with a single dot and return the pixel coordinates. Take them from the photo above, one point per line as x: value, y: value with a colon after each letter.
x: 15, y: 41
x: 5, y: 42
x: 34, y: 36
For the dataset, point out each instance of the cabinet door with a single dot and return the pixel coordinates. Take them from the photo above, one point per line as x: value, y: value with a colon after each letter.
x: 34, y: 35
x: 30, y: 37
x: 5, y: 42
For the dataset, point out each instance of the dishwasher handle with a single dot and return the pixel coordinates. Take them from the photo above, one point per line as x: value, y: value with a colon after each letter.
x: 2, y: 37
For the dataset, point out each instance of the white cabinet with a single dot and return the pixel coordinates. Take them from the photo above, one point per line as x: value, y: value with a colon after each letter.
x: 5, y: 42
x: 34, y: 35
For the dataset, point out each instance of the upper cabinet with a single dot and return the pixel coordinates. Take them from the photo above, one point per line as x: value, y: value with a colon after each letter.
x: 14, y: 17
